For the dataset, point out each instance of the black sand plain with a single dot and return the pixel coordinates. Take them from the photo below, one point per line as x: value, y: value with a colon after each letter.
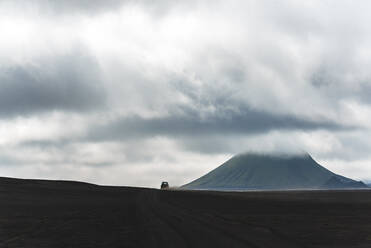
x: 35, y: 213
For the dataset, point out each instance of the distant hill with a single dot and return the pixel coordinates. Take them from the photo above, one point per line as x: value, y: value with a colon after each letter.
x: 272, y: 172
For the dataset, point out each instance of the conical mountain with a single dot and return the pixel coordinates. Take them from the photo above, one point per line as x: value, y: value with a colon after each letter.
x: 271, y: 172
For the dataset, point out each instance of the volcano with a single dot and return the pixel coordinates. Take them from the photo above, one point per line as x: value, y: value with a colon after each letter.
x: 252, y: 171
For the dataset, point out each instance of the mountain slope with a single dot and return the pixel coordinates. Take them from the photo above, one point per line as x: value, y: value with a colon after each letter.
x: 340, y: 182
x: 258, y: 171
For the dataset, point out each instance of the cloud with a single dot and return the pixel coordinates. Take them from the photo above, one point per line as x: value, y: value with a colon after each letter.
x: 66, y: 7
x: 69, y: 83
x: 95, y: 7
x: 190, y: 123
x: 107, y: 90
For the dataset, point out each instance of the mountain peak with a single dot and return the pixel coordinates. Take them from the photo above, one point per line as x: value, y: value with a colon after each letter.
x: 270, y: 171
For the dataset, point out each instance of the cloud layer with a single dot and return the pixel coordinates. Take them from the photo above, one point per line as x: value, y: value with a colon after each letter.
x: 132, y: 92
x: 64, y: 83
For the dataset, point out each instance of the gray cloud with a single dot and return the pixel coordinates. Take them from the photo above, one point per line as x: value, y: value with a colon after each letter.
x: 190, y: 123
x: 342, y: 85
x: 66, y: 83
x: 192, y: 129
x: 84, y: 6
x: 93, y: 7
x: 9, y: 161
x: 68, y: 6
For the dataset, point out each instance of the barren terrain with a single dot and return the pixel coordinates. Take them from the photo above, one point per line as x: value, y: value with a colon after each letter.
x: 70, y: 214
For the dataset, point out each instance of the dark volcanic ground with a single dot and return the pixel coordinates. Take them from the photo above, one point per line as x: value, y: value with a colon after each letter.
x: 69, y: 214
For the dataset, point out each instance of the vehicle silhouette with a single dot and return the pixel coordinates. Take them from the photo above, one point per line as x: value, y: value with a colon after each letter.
x: 164, y: 185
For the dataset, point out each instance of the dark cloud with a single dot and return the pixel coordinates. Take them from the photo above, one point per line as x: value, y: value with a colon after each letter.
x: 65, y: 83
x: 192, y: 129
x: 190, y: 123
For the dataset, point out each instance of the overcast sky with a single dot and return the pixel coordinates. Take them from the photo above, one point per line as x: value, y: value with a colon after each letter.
x: 136, y: 92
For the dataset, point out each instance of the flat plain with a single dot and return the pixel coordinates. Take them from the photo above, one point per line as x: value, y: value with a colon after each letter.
x: 37, y: 213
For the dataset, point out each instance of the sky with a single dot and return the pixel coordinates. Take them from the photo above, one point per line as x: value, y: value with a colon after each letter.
x: 124, y: 92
